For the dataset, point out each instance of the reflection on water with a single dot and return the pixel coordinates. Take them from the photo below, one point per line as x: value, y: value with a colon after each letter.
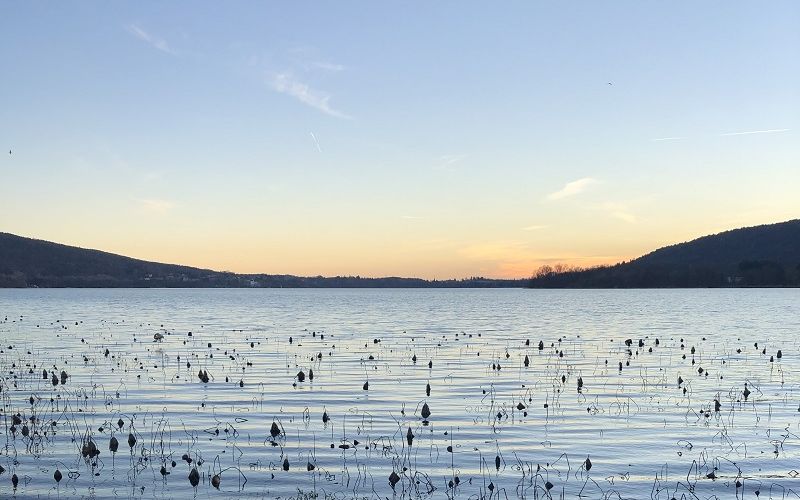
x: 411, y: 393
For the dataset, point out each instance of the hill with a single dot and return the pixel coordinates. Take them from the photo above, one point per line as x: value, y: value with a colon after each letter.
x: 26, y: 262
x: 29, y: 262
x: 766, y: 255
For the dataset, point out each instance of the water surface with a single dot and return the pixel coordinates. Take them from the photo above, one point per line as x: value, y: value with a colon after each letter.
x: 497, y: 428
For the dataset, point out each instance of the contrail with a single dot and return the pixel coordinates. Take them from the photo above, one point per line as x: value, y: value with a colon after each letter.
x: 316, y: 142
x: 771, y: 131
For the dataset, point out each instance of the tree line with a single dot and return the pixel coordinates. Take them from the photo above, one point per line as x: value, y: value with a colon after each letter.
x: 748, y: 273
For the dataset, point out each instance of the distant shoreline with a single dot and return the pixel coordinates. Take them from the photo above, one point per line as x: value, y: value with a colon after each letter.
x: 766, y: 256
x: 520, y: 287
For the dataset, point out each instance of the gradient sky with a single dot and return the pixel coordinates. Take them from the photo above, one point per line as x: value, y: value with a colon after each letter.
x: 444, y: 139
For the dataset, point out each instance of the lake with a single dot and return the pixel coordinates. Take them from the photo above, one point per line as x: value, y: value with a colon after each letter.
x: 532, y: 393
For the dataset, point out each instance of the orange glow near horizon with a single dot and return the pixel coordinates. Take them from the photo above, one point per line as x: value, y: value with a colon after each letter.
x: 437, y: 258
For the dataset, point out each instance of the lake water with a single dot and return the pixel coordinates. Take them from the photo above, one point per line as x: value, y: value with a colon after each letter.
x: 644, y: 415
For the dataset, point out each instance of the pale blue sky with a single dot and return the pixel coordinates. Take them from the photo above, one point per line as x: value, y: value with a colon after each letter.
x: 439, y: 140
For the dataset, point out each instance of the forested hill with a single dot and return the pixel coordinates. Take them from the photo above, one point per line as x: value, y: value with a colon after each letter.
x: 767, y: 255
x: 26, y: 262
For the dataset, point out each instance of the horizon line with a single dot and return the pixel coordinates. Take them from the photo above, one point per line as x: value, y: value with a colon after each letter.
x: 367, y: 277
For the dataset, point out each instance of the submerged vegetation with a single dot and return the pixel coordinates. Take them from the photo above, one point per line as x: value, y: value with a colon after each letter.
x: 239, y: 409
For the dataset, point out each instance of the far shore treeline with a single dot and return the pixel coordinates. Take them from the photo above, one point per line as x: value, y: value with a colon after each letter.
x: 760, y: 256
x: 26, y: 262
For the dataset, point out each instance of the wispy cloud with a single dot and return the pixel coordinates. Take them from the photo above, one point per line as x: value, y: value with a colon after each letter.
x: 328, y: 66
x: 748, y: 132
x: 451, y: 159
x: 572, y: 188
x: 155, y: 206
x: 618, y: 211
x: 153, y: 40
x: 411, y: 217
x: 449, y: 162
x: 316, y: 142
x: 625, y: 217
x: 728, y: 134
x: 286, y: 83
x: 308, y: 58
x: 535, y: 227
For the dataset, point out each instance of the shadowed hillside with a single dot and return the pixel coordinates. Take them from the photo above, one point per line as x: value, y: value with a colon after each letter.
x: 26, y: 262
x: 767, y: 255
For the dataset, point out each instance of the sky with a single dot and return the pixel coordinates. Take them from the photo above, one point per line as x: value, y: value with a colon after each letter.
x: 430, y: 139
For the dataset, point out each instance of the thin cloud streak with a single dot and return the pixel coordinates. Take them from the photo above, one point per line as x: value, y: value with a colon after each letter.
x: 448, y: 162
x: 749, y: 132
x: 619, y: 211
x: 625, y: 217
x: 451, y: 159
x: 316, y: 142
x: 328, y: 66
x: 155, y: 206
x: 535, y: 227
x: 668, y: 139
x: 572, y: 188
x: 152, y: 40
x: 286, y: 83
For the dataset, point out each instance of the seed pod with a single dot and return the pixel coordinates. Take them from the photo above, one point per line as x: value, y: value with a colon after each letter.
x: 194, y: 477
